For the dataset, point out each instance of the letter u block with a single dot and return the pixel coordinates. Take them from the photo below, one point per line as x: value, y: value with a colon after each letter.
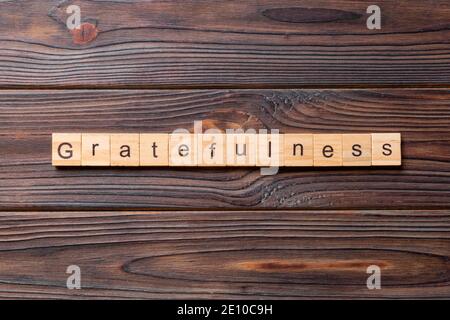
x: 66, y: 149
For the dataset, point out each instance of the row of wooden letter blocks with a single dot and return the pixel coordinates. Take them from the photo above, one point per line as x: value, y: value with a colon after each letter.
x: 177, y: 149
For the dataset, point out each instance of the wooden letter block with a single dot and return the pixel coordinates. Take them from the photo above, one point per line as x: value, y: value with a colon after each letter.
x: 66, y: 149
x: 327, y: 150
x: 357, y: 149
x: 386, y: 149
x: 95, y: 149
x: 154, y: 149
x: 270, y: 150
x: 125, y: 150
x: 241, y: 149
x: 298, y: 150
x: 211, y: 149
x: 182, y: 150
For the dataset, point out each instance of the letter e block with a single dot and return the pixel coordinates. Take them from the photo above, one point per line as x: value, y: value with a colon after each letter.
x: 357, y: 149
x: 125, y: 150
x: 95, y: 149
x: 182, y: 150
x: 298, y: 150
x: 154, y: 149
x: 386, y: 149
x: 66, y: 149
x: 327, y: 150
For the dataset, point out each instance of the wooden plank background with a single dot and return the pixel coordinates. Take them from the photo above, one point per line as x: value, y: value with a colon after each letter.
x: 154, y: 66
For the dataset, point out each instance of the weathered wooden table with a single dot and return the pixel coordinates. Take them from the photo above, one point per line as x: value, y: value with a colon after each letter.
x: 298, y: 66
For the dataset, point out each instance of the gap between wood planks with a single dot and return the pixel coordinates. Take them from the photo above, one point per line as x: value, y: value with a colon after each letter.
x: 226, y: 87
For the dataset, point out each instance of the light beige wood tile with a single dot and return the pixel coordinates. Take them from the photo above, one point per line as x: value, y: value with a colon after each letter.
x: 211, y: 150
x: 154, y: 150
x: 96, y: 149
x: 386, y: 149
x: 270, y: 150
x: 298, y: 150
x: 183, y: 150
x: 241, y: 149
x: 66, y: 149
x: 125, y: 150
x: 357, y: 150
x: 327, y: 150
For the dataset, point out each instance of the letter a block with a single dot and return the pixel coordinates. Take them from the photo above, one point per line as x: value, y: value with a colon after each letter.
x: 125, y: 150
x: 154, y: 149
x: 327, y: 150
x: 386, y: 149
x: 66, y: 149
x: 182, y: 150
x: 95, y: 149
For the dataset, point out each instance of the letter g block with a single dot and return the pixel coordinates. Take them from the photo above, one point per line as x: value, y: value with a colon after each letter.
x: 66, y: 149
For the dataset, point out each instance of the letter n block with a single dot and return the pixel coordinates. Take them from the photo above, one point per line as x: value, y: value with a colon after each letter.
x: 95, y: 149
x: 386, y: 149
x: 182, y: 150
x: 298, y: 150
x: 327, y: 150
x: 125, y: 150
x: 66, y: 149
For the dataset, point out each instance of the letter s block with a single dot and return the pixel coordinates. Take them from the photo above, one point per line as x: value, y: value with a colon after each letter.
x: 66, y: 149
x: 386, y: 149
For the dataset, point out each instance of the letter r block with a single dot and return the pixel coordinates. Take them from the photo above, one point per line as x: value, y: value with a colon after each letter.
x: 66, y: 149
x: 95, y: 149
x: 327, y: 150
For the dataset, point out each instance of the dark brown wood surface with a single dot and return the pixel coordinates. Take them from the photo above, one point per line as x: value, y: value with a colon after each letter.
x: 292, y: 65
x: 242, y: 254
x: 27, y: 120
x: 189, y: 43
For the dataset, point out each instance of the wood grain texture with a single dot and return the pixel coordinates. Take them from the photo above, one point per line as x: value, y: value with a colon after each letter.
x: 251, y: 254
x: 188, y: 43
x: 28, y: 180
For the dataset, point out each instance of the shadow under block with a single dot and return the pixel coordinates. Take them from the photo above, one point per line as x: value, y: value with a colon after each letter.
x: 327, y: 150
x: 125, y: 150
x: 241, y: 149
x: 66, y: 149
x: 356, y: 150
x: 298, y: 150
x: 270, y: 150
x: 182, y: 150
x: 386, y: 149
x: 154, y: 149
x: 211, y: 149
x: 96, y: 149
